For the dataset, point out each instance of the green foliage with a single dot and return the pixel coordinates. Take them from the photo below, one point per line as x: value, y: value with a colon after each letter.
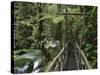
x: 31, y: 40
x: 52, y: 9
x: 58, y: 19
x: 47, y: 17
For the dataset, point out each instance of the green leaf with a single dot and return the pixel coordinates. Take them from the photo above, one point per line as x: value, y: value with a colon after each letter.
x: 58, y: 19
x: 46, y: 17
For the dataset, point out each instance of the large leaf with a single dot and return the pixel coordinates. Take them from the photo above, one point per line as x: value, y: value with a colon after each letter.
x: 58, y: 19
x: 47, y: 17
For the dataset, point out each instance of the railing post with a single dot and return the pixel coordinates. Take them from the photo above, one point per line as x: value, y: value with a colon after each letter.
x: 65, y: 26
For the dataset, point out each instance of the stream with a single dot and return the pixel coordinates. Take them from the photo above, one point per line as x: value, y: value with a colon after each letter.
x: 34, y: 58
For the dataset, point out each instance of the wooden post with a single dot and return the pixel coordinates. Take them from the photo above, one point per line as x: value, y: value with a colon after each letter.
x: 65, y: 26
x: 82, y: 30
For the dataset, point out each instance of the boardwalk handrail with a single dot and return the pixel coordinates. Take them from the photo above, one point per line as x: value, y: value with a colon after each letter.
x: 84, y: 57
x: 54, y: 60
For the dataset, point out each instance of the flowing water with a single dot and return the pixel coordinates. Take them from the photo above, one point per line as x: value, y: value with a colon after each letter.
x: 31, y: 56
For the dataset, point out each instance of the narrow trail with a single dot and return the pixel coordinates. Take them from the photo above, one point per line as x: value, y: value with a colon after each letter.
x: 71, y: 63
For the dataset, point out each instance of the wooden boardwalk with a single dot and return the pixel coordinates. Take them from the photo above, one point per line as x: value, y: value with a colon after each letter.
x: 71, y: 63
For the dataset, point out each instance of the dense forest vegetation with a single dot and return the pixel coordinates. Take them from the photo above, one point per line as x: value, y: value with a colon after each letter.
x: 41, y: 30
